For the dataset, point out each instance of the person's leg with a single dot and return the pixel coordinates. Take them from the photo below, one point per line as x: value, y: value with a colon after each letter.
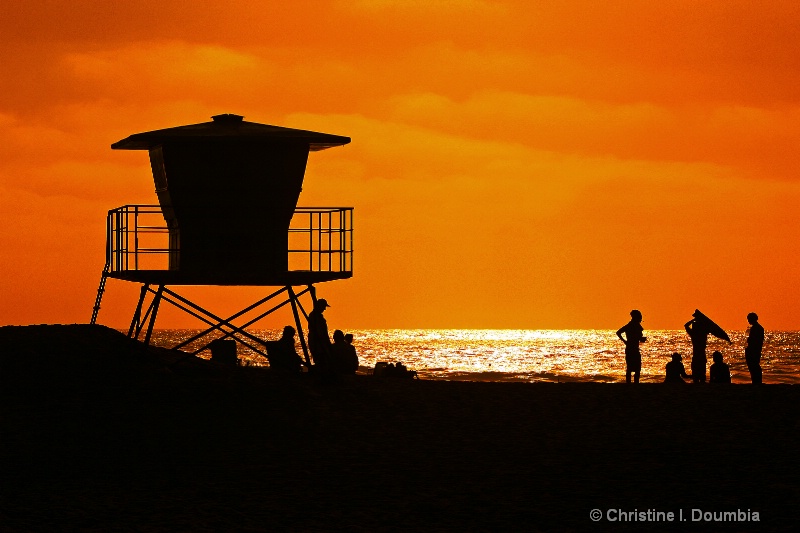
x: 628, y: 367
x: 757, y: 376
x: 636, y: 376
x: 752, y: 366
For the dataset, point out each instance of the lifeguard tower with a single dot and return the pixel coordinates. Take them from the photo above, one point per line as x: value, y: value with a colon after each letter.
x: 227, y: 215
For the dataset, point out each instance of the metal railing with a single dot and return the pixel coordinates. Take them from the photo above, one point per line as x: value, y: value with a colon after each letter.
x: 321, y: 238
x: 137, y: 238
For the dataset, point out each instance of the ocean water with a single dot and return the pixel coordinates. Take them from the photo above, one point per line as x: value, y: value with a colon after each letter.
x: 537, y: 355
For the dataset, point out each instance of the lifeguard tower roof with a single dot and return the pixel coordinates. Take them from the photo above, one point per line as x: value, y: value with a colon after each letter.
x: 233, y: 127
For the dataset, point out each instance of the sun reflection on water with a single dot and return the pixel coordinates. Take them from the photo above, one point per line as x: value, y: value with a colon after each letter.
x: 538, y: 355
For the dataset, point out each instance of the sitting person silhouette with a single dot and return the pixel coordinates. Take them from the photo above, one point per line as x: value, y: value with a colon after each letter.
x: 340, y: 353
x: 675, y: 370
x: 351, y: 361
x: 282, y: 355
x: 385, y: 369
x: 720, y: 372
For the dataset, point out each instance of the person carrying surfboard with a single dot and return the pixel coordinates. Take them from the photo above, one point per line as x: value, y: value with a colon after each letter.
x: 698, y: 329
x: 699, y: 336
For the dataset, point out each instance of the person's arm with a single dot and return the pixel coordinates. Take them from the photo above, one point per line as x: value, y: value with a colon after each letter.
x: 759, y: 336
x: 683, y: 372
x: 687, y: 328
x: 323, y: 331
x: 620, y: 331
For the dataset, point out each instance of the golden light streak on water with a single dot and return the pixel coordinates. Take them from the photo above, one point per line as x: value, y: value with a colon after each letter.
x: 538, y: 355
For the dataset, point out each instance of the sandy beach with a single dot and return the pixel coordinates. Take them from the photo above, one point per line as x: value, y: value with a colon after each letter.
x: 100, y: 434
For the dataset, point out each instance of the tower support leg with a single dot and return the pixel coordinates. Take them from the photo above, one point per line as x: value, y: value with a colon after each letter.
x: 313, y: 291
x: 294, y: 300
x: 153, y: 313
x: 138, y: 313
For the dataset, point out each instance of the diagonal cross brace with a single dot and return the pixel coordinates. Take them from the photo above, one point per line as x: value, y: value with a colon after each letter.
x: 216, y: 323
x: 221, y: 321
x: 292, y: 298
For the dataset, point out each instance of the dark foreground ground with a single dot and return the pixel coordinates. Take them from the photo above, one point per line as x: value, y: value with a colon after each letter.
x: 100, y: 435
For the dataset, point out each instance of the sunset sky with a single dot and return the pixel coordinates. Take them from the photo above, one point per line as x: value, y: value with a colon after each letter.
x: 513, y: 164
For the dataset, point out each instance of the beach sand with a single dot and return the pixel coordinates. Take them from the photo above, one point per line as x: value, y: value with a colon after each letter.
x: 100, y: 434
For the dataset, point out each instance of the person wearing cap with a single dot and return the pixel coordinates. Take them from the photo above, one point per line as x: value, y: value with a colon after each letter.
x: 675, y: 370
x: 319, y: 342
x: 634, y: 334
x: 719, y: 372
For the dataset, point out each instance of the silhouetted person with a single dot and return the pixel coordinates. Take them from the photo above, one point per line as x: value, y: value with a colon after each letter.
x: 634, y: 334
x: 224, y: 351
x: 319, y: 342
x: 719, y: 371
x: 352, y: 356
x: 675, y: 370
x: 390, y: 370
x: 282, y: 354
x: 404, y: 372
x: 699, y: 336
x: 340, y: 354
x: 755, y: 343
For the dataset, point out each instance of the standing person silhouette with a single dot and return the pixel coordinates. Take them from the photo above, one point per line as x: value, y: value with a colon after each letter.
x: 319, y: 342
x: 634, y: 334
x: 699, y: 336
x: 752, y: 351
x: 352, y: 356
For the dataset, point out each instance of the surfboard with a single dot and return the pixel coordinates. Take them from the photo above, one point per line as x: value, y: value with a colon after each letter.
x: 710, y: 326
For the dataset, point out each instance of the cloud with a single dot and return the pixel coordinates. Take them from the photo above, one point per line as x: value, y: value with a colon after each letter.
x: 756, y: 141
x: 447, y: 7
x: 441, y: 213
x: 164, y: 69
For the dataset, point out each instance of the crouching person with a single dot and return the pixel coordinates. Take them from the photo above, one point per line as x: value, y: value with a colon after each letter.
x: 282, y: 354
x: 675, y: 370
x: 345, y: 360
x: 720, y: 372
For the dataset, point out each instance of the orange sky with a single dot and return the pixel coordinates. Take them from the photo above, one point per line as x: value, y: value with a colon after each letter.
x: 511, y: 166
